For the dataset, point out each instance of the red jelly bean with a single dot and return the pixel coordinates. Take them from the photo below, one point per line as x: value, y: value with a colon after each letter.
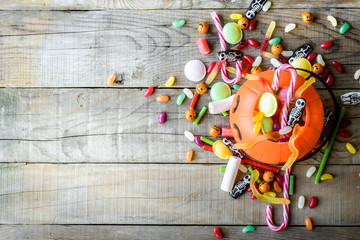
x: 337, y: 66
x: 279, y: 179
x: 345, y: 123
x: 311, y: 56
x: 252, y: 24
x: 248, y: 58
x: 210, y: 68
x: 325, y: 73
x: 252, y: 196
x: 148, y: 91
x: 329, y: 79
x: 312, y: 202
x: 326, y: 45
x: 241, y: 45
x: 260, y: 172
x: 253, y: 43
x: 282, y: 59
x: 344, y: 133
x: 249, y: 189
x: 217, y: 232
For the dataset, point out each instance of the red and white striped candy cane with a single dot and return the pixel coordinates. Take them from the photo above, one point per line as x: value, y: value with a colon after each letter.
x: 285, y: 221
x: 223, y: 48
x: 290, y: 92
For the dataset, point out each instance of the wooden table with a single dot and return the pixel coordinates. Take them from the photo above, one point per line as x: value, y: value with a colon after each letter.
x: 81, y: 160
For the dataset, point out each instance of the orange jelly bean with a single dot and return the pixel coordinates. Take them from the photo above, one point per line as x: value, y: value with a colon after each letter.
x: 308, y: 224
x: 189, y: 155
x: 162, y: 98
x: 277, y: 187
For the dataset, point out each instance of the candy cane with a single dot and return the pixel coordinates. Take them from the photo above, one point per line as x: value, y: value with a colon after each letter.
x: 290, y: 92
x: 223, y: 48
x: 269, y: 220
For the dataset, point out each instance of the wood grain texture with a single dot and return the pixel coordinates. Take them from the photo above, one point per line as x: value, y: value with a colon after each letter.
x: 82, y: 49
x: 163, y: 4
x: 116, y: 125
x: 161, y: 194
x: 90, y: 232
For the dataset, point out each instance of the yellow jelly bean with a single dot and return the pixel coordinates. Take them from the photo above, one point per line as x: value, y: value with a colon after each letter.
x: 257, y: 128
x: 325, y: 146
x: 326, y: 176
x: 258, y: 117
x: 235, y: 16
x: 350, y: 148
x: 270, y: 194
x: 231, y: 69
x: 170, y: 81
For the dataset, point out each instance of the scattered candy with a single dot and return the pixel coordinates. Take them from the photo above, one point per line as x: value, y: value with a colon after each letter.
x: 279, y: 179
x: 248, y: 58
x: 274, y: 41
x: 243, y: 23
x: 277, y: 187
x: 264, y: 187
x: 337, y: 66
x: 190, y: 115
x: 276, y: 63
x: 213, y: 73
x: 255, y: 70
x: 254, y: 7
x: 285, y: 130
x: 240, y: 187
x: 287, y: 53
x: 253, y: 43
x: 301, y: 202
x: 344, y: 133
x: 199, y: 117
x: 301, y: 52
x: 217, y: 233
x: 302, y: 63
x: 310, y: 171
x: 267, y: 125
x: 256, y: 128
x: 311, y: 56
x: 235, y: 16
x: 198, y: 141
x: 180, y: 99
x: 219, y: 91
x: 162, y: 98
x: 232, y: 33
x: 188, y: 93
x: 344, y: 28
x: 257, y: 61
x: 326, y: 176
x: 214, y: 131
x: 350, y: 148
x: 241, y: 45
x: 203, y: 27
x: 308, y: 224
x: 290, y: 27
x: 307, y: 17
x: 178, y: 23
x: 270, y: 194
x: 317, y: 68
x: 326, y: 45
x: 148, y: 91
x: 221, y: 150
x: 320, y: 60
x: 248, y: 228
x: 170, y: 81
x: 252, y: 24
x: 195, y: 70
x: 208, y: 147
x: 325, y: 72
x: 230, y: 55
x: 203, y: 46
x: 112, y: 79
x: 329, y: 79
x: 332, y: 20
x: 313, y: 201
x: 189, y: 136
x: 357, y: 74
x: 238, y: 152
x: 268, y: 176
x: 189, y: 155
x: 266, y: 6
x: 268, y: 104
x: 350, y: 98
x: 276, y: 48
x: 161, y: 118
x: 291, y: 185
x: 211, y: 67
x: 345, y: 123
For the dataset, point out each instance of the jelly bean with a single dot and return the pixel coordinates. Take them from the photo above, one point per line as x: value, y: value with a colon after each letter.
x: 242, y: 168
x: 266, y: 6
x: 195, y: 70
x: 270, y: 194
x: 162, y: 98
x: 257, y: 61
x: 236, y: 87
x: 199, y: 117
x: 307, y: 17
x: 198, y: 141
x: 189, y: 155
x: 258, y: 117
x: 287, y: 53
x: 203, y: 46
x: 357, y: 74
x: 301, y: 202
x: 344, y: 28
x: 112, y: 79
x: 310, y: 171
x: 178, y: 23
x: 231, y: 69
x: 241, y: 45
x: 332, y: 20
x: 274, y: 41
x: 180, y: 99
x: 248, y: 58
x: 243, y: 23
x: 291, y: 185
x: 311, y: 56
x: 170, y: 81
x: 222, y: 168
x: 325, y: 73
x: 256, y: 128
x: 345, y: 123
x: 232, y: 33
x: 161, y: 118
x: 188, y: 93
x: 260, y: 172
x: 326, y: 45
x: 276, y: 63
x: 211, y: 67
x: 279, y: 179
x: 320, y: 60
x: 277, y: 187
x: 329, y: 79
x: 248, y: 228
x: 249, y: 189
x: 337, y: 66
x: 235, y: 16
x: 189, y: 136
x: 285, y: 130
x: 208, y: 147
x: 268, y: 176
x: 253, y: 43
x: 276, y: 126
x: 313, y: 202
x: 282, y: 59
x: 252, y: 196
x: 276, y: 49
x: 350, y: 148
x: 148, y: 91
x: 308, y: 224
x: 203, y: 27
x: 344, y: 133
x: 214, y: 131
x: 217, y: 232
x: 326, y: 176
x: 252, y: 24
x: 290, y: 27
x: 221, y: 150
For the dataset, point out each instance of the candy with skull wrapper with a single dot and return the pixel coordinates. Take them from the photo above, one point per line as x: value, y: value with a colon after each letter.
x: 240, y: 187
x: 238, y: 152
x: 296, y: 112
x: 230, y: 55
x: 351, y: 98
x: 254, y: 7
x: 301, y: 52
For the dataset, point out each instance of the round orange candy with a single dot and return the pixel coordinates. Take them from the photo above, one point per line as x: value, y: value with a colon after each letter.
x: 264, y: 187
x: 256, y: 70
x: 201, y: 88
x: 276, y: 48
x: 317, y: 68
x: 214, y: 131
x: 268, y: 176
x: 190, y: 115
x: 243, y: 23
x: 307, y: 17
x: 203, y: 27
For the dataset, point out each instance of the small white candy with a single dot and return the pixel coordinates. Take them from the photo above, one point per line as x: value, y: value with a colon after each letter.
x: 332, y: 20
x: 243, y: 168
x: 188, y: 93
x: 289, y: 27
x: 276, y: 63
x: 320, y: 60
x: 189, y: 136
x: 287, y: 53
x: 301, y: 202
x: 357, y: 74
x: 266, y: 6
x: 310, y: 171
x: 285, y: 130
x: 257, y: 61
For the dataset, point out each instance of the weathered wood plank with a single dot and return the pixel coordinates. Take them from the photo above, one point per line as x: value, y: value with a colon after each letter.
x: 162, y: 4
x: 160, y: 194
x: 112, y: 125
x: 82, y: 49
x: 14, y: 232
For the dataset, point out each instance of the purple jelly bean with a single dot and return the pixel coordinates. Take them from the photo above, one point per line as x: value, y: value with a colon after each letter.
x: 276, y: 126
x: 161, y: 118
x: 198, y: 141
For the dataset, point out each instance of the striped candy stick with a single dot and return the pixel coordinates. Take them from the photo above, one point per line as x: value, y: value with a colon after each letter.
x: 217, y: 23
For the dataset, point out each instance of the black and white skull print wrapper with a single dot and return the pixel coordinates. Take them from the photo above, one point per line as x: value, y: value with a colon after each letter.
x: 240, y: 187
x: 238, y: 152
x: 230, y: 55
x: 327, y: 115
x: 296, y: 112
x: 350, y: 98
x: 301, y: 52
x: 254, y: 7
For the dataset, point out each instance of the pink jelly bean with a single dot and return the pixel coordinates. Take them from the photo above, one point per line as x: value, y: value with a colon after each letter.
x: 161, y: 118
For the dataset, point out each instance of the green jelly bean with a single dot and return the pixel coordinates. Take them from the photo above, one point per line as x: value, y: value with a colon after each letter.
x: 206, y: 140
x: 274, y: 40
x: 248, y: 228
x: 344, y: 28
x: 291, y: 185
x: 180, y: 99
x: 201, y: 114
x: 178, y: 23
x: 236, y: 87
x: 222, y: 168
